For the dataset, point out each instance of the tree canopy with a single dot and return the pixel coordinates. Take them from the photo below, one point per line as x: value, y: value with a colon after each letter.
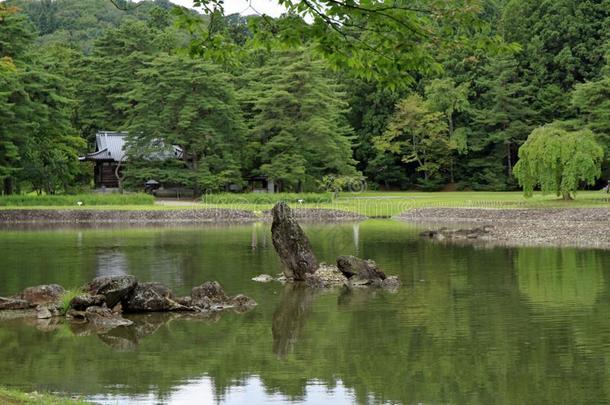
x: 558, y: 160
x: 425, y: 95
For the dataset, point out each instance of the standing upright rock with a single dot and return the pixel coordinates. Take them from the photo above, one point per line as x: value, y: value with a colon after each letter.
x: 291, y: 244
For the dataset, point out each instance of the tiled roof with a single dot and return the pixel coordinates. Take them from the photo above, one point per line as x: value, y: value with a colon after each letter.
x: 113, y: 143
x: 111, y: 146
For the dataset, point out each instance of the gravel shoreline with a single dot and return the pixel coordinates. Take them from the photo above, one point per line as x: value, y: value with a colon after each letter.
x: 177, y: 216
x: 576, y: 227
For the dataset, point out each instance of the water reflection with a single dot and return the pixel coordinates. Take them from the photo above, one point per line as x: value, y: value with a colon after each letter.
x: 470, y: 325
x: 560, y: 278
x: 290, y: 316
x: 111, y: 262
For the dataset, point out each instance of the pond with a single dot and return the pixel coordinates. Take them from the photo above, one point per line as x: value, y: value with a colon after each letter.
x: 471, y: 324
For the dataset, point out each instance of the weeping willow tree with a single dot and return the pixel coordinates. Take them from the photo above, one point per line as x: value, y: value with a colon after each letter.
x: 558, y: 160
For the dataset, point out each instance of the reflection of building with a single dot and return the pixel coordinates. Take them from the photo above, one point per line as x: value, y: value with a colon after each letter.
x: 111, y: 262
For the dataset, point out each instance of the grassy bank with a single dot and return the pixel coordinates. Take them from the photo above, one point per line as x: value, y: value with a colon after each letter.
x: 32, y: 200
x: 388, y: 204
x: 371, y: 204
x: 264, y: 198
x: 13, y: 397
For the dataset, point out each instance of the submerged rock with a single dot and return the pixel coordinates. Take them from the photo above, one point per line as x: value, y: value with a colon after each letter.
x: 113, y: 288
x: 459, y: 234
x: 43, y: 294
x: 263, y: 278
x: 150, y: 297
x: 242, y: 302
x: 291, y: 244
x: 391, y: 283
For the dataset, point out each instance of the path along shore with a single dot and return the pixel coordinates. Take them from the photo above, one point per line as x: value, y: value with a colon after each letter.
x: 578, y: 227
x: 173, y: 216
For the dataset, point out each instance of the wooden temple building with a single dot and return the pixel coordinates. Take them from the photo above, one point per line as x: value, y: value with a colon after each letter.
x: 110, y: 155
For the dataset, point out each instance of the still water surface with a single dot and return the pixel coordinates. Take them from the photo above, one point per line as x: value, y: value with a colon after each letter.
x: 471, y: 324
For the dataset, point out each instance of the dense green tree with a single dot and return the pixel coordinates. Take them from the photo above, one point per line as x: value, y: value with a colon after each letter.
x: 418, y: 135
x: 38, y: 145
x: 191, y: 104
x: 298, y: 117
x: 79, y: 23
x: 445, y: 96
x: 558, y: 161
x: 592, y: 101
x: 390, y: 41
x: 371, y: 107
x: 298, y: 131
x: 504, y: 116
x: 109, y: 73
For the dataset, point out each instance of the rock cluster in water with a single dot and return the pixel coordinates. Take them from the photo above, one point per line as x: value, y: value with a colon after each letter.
x: 481, y: 233
x: 104, y: 300
x: 300, y: 263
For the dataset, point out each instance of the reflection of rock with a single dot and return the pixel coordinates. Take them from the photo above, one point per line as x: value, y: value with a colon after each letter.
x: 351, y: 297
x: 49, y: 324
x: 291, y: 244
x: 47, y: 311
x: 14, y: 303
x: 17, y: 314
x: 114, y: 288
x: 43, y: 294
x: 119, y: 343
x: 290, y: 317
x: 144, y: 325
x: 104, y: 319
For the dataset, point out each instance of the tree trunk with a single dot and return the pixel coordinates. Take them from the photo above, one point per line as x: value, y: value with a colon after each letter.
x: 451, y: 176
x: 567, y: 196
x: 510, y: 161
x: 8, y: 186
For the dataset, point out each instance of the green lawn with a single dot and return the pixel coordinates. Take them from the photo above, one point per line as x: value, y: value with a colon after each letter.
x: 387, y: 204
x: 11, y: 397
x: 29, y: 200
x: 371, y: 204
